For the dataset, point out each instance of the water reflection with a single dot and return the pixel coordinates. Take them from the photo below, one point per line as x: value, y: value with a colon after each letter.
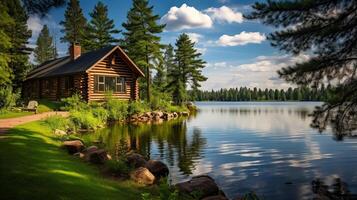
x: 245, y: 147
x: 168, y: 141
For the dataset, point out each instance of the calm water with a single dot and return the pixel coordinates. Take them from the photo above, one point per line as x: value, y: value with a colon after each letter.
x: 264, y: 147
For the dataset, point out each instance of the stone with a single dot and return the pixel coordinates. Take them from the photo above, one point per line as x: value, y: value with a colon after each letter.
x: 79, y: 155
x: 90, y: 149
x: 174, y: 114
x: 59, y: 132
x: 204, y: 185
x: 158, y: 114
x: 158, y: 168
x: 136, y: 160
x: 73, y: 146
x: 215, y: 197
x: 97, y: 157
x: 185, y: 114
x: 142, y: 175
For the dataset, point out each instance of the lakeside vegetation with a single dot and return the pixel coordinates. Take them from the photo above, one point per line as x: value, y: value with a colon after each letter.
x: 33, y: 161
x: 255, y: 94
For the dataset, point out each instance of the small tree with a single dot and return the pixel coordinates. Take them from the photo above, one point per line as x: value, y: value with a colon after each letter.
x: 45, y: 49
x: 100, y: 29
x: 74, y: 24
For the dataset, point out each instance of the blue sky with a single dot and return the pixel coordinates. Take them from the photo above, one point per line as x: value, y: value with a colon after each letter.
x: 235, y: 49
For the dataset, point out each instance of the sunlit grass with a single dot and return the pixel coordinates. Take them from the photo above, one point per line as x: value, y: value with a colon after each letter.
x: 32, y: 166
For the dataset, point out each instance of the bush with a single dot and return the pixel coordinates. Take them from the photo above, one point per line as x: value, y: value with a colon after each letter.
x: 74, y: 102
x: 117, y: 109
x: 160, y: 101
x: 118, y: 167
x: 85, y: 120
x: 57, y: 122
x: 100, y: 113
x: 8, y: 98
x: 46, y: 106
x: 136, y: 107
x: 173, y: 108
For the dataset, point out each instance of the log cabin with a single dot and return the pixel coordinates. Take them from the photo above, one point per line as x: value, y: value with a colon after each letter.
x: 91, y: 74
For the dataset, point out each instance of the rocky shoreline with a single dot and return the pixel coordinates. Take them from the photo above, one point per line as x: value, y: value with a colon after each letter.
x: 157, y: 116
x: 148, y: 172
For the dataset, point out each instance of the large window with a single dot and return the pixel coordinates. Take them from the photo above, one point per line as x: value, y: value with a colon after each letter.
x: 109, y: 83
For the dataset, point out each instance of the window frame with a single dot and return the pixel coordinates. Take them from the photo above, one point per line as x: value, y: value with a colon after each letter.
x: 105, y: 85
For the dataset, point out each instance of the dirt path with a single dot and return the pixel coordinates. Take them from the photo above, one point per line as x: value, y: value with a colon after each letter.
x: 6, y: 124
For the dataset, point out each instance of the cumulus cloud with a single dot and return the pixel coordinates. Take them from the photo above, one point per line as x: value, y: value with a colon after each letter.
x: 186, y: 17
x: 242, y: 38
x: 261, y: 73
x: 195, y: 37
x: 225, y: 14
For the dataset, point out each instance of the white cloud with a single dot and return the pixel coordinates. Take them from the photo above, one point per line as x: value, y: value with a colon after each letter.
x: 261, y: 73
x: 186, y: 17
x: 242, y: 38
x: 225, y: 14
x: 195, y: 37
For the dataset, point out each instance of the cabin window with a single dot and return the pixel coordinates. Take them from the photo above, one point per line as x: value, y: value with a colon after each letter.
x: 112, y: 62
x: 109, y: 83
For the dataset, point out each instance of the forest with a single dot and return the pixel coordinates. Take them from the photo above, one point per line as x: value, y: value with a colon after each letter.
x: 176, y: 67
x: 255, y: 94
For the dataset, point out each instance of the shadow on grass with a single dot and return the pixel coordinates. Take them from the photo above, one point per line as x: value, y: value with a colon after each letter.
x: 33, y: 167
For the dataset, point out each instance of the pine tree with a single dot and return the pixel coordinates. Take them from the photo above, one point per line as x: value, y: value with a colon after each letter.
x: 100, y: 29
x: 19, y: 35
x: 45, y: 49
x: 141, y: 39
x: 74, y: 24
x: 5, y: 45
x: 168, y: 64
x: 327, y: 29
x: 188, y: 69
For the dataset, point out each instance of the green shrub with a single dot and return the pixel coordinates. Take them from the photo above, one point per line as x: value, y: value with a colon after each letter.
x: 100, y: 113
x: 136, y: 107
x: 74, y: 102
x: 85, y: 120
x: 160, y: 101
x: 118, y: 167
x: 8, y: 98
x: 47, y: 105
x: 173, y: 108
x: 117, y: 109
x: 57, y: 122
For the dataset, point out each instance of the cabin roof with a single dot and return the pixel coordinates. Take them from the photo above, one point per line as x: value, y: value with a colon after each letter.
x: 65, y: 65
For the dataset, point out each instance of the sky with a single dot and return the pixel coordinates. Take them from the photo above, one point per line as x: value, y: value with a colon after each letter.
x: 236, y: 50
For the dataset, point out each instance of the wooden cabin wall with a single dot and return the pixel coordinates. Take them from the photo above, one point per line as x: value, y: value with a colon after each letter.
x: 54, y: 88
x: 118, y: 68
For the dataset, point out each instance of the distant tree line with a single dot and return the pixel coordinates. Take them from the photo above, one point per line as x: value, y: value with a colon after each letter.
x: 255, y: 94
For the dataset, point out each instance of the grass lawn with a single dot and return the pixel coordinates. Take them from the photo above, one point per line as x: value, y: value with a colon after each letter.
x: 13, y: 114
x: 32, y: 166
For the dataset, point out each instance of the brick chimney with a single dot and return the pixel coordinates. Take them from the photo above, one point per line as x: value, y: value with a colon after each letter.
x: 74, y: 51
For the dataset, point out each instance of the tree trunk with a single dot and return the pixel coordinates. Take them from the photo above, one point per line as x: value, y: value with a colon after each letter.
x: 147, y: 75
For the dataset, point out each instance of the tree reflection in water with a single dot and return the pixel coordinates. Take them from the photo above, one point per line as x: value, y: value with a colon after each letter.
x: 172, y: 139
x: 338, y: 190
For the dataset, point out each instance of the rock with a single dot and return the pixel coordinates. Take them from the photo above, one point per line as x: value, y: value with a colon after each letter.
x: 142, y: 175
x: 158, y: 114
x: 158, y: 168
x: 205, y: 185
x: 185, y: 113
x: 215, y: 197
x: 59, y: 132
x: 148, y: 115
x: 73, y: 146
x: 90, y: 149
x: 174, y: 114
x: 79, y: 155
x: 136, y: 160
x: 97, y: 157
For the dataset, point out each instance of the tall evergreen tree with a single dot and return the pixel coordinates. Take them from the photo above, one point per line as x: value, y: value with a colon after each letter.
x: 74, y: 24
x: 100, y: 29
x: 141, y: 39
x: 45, y: 49
x: 19, y: 35
x: 188, y: 69
x: 328, y: 29
x: 168, y: 64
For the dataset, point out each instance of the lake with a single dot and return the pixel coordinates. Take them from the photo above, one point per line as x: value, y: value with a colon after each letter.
x: 265, y: 147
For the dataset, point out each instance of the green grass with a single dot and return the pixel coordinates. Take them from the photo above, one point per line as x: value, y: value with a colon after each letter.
x: 46, y: 105
x: 13, y: 114
x: 32, y: 166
